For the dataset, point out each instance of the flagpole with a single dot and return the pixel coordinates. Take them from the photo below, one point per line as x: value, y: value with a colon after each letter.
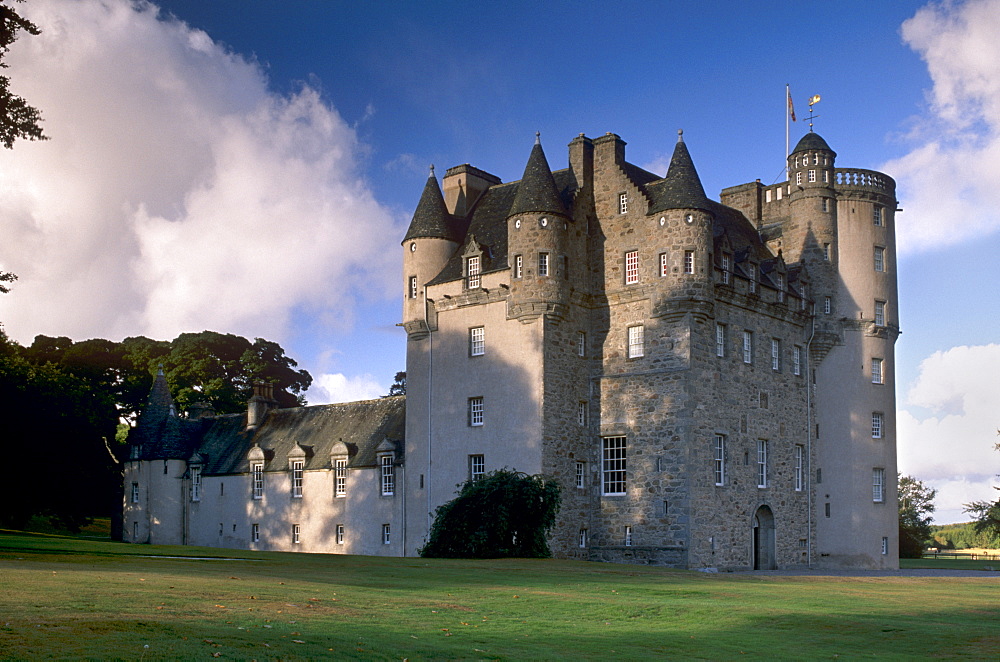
x: 788, y: 96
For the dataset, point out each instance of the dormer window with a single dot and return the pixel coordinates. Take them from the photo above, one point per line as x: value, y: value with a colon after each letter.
x: 472, y: 271
x: 388, y: 473
x: 781, y: 287
x: 196, y: 483
x: 727, y: 265
x: 297, y: 477
x: 752, y: 269
x: 257, y: 471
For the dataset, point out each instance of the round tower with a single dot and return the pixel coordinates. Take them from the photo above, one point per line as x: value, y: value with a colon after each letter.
x: 432, y: 238
x: 538, y: 228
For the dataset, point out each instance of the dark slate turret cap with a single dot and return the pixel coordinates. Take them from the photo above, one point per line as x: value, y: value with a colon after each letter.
x: 811, y: 142
x: 537, y: 190
x: 681, y: 188
x: 431, y: 217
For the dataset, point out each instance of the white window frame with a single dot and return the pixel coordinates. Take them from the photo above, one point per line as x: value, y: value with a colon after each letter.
x: 878, y: 485
x: 878, y: 425
x: 781, y: 287
x: 298, y: 472
x: 583, y: 538
x: 877, y: 373
x: 339, y: 534
x: 296, y: 534
x: 543, y: 264
x: 720, y: 340
x: 798, y: 178
x: 796, y: 360
x: 827, y: 305
x: 196, y: 483
x: 257, y: 473
x: 255, y: 532
x: 135, y: 492
x: 761, y: 463
x: 623, y: 203
x: 583, y: 413
x: 747, y: 346
x: 340, y: 477
x: 689, y: 262
x: 719, y: 459
x: 799, y: 465
x: 476, y: 411
x: 636, y: 340
x: 880, y: 259
x: 726, y: 267
x: 753, y: 278
x: 824, y: 203
x: 631, y: 267
x: 386, y: 534
x: 614, y: 466
x: 518, y: 266
x: 477, y: 467
x: 664, y: 265
x: 880, y: 308
x: 413, y: 287
x: 581, y: 344
x: 775, y: 355
x: 477, y: 341
x: 628, y: 535
x: 885, y: 545
x: 388, y: 474
x: 473, y: 266
x: 581, y: 475
x: 812, y: 176
x: 877, y: 218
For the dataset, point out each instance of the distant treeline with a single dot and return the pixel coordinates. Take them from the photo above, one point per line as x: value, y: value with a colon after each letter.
x: 963, y: 536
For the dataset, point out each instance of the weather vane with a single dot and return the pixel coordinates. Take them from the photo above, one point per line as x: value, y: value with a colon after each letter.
x: 814, y: 99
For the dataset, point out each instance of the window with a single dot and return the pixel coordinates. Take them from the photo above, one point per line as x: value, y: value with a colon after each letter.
x: 799, y: 452
x: 472, y: 269
x: 622, y: 203
x: 781, y: 288
x: 879, y: 259
x: 877, y: 215
x: 477, y: 341
x: 798, y: 178
x: 413, y: 287
x: 477, y: 467
x: 878, y: 485
x: 877, y: 422
x: 388, y: 475
x: 877, y: 371
x: 196, y: 483
x: 257, y: 469
x: 475, y: 411
x: 826, y: 252
x: 752, y: 271
x: 386, y: 535
x: 802, y: 297
x: 565, y: 269
x: 720, y: 340
x: 613, y: 466
x: 340, y: 534
x: 581, y: 344
x: 775, y: 354
x: 581, y: 472
x: 880, y: 313
x: 689, y: 262
x: 297, y: 479
x: 812, y: 175
x: 518, y: 266
x: 664, y: 266
x: 628, y: 536
x: 726, y: 267
x: 582, y: 414
x: 824, y: 204
x: 796, y: 360
x: 885, y: 545
x: 255, y: 533
x: 636, y: 341
x: 135, y: 492
x: 583, y: 537
x: 543, y: 264
x: 762, y: 399
x: 761, y: 463
x: 827, y: 305
x: 720, y: 459
x: 631, y: 267
x: 340, y: 477
x: 295, y: 534
x: 748, y: 346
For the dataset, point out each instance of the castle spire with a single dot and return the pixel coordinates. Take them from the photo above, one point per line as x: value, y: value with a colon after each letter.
x: 537, y: 190
x: 431, y: 217
x: 681, y: 188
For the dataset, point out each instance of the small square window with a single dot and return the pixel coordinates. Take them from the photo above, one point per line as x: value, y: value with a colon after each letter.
x: 636, y: 341
x: 475, y: 412
x: 664, y: 266
x: 477, y: 341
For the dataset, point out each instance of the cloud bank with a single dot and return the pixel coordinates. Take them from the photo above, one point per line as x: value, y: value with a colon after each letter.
x: 948, y: 183
x: 177, y: 192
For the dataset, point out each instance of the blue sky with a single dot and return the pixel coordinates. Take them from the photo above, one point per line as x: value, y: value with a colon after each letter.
x: 251, y: 167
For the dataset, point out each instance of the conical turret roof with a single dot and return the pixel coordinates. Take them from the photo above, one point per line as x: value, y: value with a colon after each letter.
x: 431, y: 217
x: 537, y: 191
x: 681, y: 187
x: 812, y: 141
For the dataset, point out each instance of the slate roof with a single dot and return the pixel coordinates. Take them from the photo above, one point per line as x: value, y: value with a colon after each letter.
x: 681, y: 187
x: 811, y: 141
x: 431, y: 217
x: 159, y: 433
x: 537, y: 191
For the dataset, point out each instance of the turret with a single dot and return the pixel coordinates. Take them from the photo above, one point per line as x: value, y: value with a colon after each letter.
x: 431, y: 239
x: 538, y: 226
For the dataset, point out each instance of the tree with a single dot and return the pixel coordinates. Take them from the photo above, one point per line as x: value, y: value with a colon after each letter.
x: 398, y: 387
x: 987, y: 514
x: 502, y: 514
x: 6, y: 277
x: 915, y: 505
x: 17, y: 118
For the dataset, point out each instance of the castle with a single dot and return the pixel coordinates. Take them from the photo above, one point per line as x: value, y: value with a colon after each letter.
x: 711, y: 383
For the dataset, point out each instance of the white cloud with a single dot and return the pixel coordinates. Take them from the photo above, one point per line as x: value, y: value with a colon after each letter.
x: 177, y: 192
x: 948, y: 427
x: 329, y: 388
x: 953, y: 173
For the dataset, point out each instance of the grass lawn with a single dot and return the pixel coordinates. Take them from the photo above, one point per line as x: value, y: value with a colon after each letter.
x: 75, y: 598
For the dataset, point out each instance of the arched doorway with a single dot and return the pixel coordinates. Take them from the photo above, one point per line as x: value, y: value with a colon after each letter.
x: 763, y: 540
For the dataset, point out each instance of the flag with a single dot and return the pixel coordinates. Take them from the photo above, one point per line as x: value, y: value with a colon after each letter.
x: 791, y: 108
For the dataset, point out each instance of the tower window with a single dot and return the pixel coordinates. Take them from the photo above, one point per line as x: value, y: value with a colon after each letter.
x: 689, y: 262
x: 581, y: 473
x: 812, y: 175
x: 826, y: 252
x: 664, y: 266
x: 799, y: 452
x: 824, y: 203
x: 636, y: 341
x: 878, y: 485
x: 582, y: 416
x: 413, y: 287
x: 761, y: 463
x: 543, y: 264
x: 477, y: 341
x: 581, y: 344
x: 879, y: 258
x: 796, y: 360
x: 798, y: 178
x: 877, y: 215
x: 775, y: 354
x: 827, y: 305
x: 518, y: 266
x: 880, y: 313
x: 622, y: 203
x: 877, y: 377
x: 631, y: 267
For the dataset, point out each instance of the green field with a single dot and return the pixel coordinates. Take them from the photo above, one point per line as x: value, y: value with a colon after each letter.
x: 74, y: 598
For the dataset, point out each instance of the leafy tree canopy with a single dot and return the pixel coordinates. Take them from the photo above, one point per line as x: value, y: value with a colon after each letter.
x: 17, y: 118
x: 503, y: 514
x: 916, y: 503
x: 6, y: 277
x: 398, y: 386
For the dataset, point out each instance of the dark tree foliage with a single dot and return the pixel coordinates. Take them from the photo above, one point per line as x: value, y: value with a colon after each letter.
x: 916, y: 503
x: 399, y: 386
x: 6, y: 277
x: 987, y: 513
x: 503, y: 514
x: 17, y: 118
